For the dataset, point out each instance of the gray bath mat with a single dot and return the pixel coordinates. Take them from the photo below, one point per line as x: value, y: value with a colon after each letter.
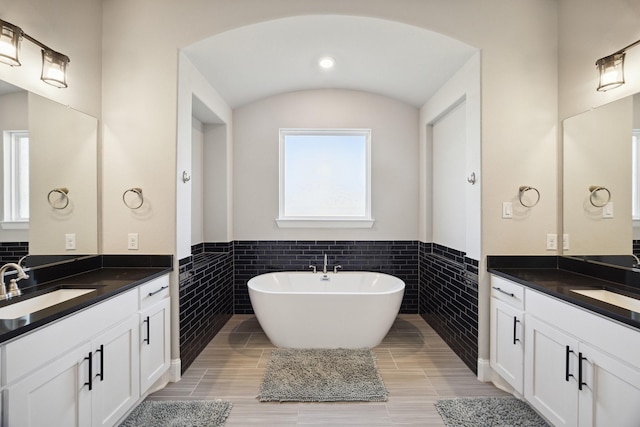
x: 322, y: 375
x: 488, y: 412
x: 184, y: 413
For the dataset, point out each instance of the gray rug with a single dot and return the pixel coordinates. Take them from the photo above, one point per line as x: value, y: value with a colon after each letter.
x: 488, y: 412
x: 322, y: 375
x: 185, y: 413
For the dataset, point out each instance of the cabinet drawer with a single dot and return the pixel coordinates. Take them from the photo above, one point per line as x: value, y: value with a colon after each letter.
x: 153, y: 291
x: 507, y: 291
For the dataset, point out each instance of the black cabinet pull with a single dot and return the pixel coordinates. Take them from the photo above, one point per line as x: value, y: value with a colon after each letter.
x: 504, y: 292
x: 580, y: 382
x: 148, y: 338
x: 567, y: 375
x: 159, y: 290
x: 90, y: 382
x: 515, y: 328
x: 101, y: 350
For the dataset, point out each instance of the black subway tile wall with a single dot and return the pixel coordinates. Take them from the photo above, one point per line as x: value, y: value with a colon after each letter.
x: 13, y: 251
x: 399, y: 258
x: 441, y: 284
x: 449, y: 298
x: 206, y: 297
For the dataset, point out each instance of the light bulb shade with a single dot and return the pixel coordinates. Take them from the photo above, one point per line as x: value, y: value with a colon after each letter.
x: 611, y: 71
x: 10, y: 36
x: 54, y: 68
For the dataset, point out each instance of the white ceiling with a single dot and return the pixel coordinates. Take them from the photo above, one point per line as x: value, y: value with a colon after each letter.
x: 389, y: 58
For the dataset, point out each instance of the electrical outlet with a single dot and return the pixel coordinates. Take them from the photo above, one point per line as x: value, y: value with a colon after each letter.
x: 565, y: 242
x: 552, y: 242
x: 132, y: 241
x: 507, y: 210
x: 70, y: 241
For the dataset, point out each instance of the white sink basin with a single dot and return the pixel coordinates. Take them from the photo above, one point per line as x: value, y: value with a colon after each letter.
x: 611, y: 298
x: 41, y: 302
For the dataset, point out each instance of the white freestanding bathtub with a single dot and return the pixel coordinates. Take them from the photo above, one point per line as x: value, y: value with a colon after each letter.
x: 333, y: 310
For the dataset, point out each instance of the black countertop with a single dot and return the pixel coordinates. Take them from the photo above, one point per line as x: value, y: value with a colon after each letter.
x: 559, y: 283
x: 105, y: 283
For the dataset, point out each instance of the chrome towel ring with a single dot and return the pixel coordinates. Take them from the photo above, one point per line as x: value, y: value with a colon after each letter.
x: 593, y: 196
x: 522, y: 190
x: 62, y: 199
x: 130, y: 201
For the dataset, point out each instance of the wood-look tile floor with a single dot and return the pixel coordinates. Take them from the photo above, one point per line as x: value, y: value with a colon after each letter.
x: 416, y: 365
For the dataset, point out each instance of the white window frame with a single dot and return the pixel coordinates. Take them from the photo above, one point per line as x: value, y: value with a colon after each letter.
x: 635, y: 174
x: 312, y: 221
x: 12, y: 219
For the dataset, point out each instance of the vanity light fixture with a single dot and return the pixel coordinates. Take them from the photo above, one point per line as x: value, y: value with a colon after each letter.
x: 611, y: 69
x: 54, y: 64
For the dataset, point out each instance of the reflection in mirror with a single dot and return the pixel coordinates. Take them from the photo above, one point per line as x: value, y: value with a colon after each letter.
x: 63, y: 155
x: 62, y: 152
x: 597, y: 150
x: 14, y: 201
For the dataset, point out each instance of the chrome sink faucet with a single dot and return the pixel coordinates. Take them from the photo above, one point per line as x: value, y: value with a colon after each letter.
x: 14, y: 290
x: 324, y: 267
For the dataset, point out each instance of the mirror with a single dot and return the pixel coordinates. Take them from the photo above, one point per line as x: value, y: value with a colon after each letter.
x: 597, y: 182
x: 62, y: 154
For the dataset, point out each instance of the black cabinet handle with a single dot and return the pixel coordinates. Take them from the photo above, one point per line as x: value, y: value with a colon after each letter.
x: 101, y: 350
x: 567, y: 375
x: 90, y: 382
x: 515, y: 328
x: 148, y: 338
x: 156, y: 291
x: 504, y: 292
x: 580, y: 382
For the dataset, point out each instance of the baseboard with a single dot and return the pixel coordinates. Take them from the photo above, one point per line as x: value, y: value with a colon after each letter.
x: 485, y: 373
x: 175, y: 370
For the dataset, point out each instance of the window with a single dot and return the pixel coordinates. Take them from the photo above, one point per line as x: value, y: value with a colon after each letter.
x: 325, y: 178
x: 16, y: 179
x: 635, y: 171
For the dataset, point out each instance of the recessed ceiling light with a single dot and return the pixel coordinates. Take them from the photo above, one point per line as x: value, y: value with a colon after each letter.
x: 326, y: 62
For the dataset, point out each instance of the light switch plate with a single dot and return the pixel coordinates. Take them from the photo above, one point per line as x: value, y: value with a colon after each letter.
x: 607, y: 211
x: 507, y: 210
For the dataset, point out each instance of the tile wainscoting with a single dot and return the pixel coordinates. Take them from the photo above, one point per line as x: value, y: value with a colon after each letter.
x: 449, y: 298
x: 206, y: 297
x: 399, y: 258
x: 12, y: 251
x: 441, y: 284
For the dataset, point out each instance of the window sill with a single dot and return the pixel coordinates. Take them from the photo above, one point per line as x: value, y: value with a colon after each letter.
x: 14, y: 225
x: 324, y: 223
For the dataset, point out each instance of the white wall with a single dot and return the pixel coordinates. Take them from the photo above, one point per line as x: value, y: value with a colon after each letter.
x: 197, y: 182
x: 68, y: 26
x: 519, y: 118
x: 394, y: 165
x: 589, y: 30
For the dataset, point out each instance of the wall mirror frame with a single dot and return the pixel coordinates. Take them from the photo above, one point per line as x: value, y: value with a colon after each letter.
x: 63, y: 153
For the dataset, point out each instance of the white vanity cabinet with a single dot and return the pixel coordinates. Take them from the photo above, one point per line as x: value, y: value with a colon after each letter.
x: 154, y: 321
x: 88, y: 368
x: 507, y: 332
x: 580, y: 368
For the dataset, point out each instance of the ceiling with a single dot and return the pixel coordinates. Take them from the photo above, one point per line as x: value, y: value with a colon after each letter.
x: 373, y: 55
